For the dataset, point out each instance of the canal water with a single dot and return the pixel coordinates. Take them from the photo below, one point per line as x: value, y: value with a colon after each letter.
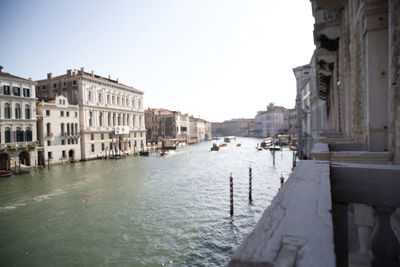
x: 138, y: 211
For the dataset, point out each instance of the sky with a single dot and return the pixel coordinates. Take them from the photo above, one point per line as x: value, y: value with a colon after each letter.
x: 214, y: 59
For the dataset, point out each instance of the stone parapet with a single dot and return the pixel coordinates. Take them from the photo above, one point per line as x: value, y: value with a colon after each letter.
x: 297, y: 227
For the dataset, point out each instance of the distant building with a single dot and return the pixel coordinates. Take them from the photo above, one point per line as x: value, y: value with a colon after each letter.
x: 234, y: 127
x: 111, y: 113
x: 58, y: 131
x: 198, y: 130
x: 17, y: 121
x: 293, y: 122
x: 273, y: 121
x: 163, y: 123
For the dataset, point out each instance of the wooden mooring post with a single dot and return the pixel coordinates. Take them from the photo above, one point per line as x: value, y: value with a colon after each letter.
x: 250, y: 178
x: 231, y: 193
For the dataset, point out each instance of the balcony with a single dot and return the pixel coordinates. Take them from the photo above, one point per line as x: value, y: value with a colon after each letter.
x: 324, y: 216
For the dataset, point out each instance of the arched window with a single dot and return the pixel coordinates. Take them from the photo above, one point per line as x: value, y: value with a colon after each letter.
x: 7, y: 111
x: 72, y: 128
x: 6, y: 90
x: 68, y: 131
x: 27, y: 112
x: 76, y: 128
x: 7, y: 135
x: 62, y: 129
x: 119, y: 119
x: 20, y: 135
x: 28, y: 134
x: 17, y: 111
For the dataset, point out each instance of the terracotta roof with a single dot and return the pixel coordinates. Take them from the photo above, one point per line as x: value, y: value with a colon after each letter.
x: 8, y: 75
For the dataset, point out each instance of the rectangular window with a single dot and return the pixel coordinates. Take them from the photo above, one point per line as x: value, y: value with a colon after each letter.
x: 43, y: 87
x: 91, y: 136
x: 62, y: 142
x: 92, y: 147
x: 76, y: 114
x: 74, y: 82
x: 54, y: 85
x: 108, y: 99
x: 50, y: 155
x: 110, y: 136
x: 48, y: 143
x: 67, y: 113
x: 89, y: 96
x: 16, y: 91
x: 64, y: 84
x: 62, y: 113
x: 69, y: 141
x: 102, y: 136
x: 64, y: 154
x: 102, y: 146
x: 27, y: 92
x: 6, y: 90
x: 100, y: 98
x: 47, y: 112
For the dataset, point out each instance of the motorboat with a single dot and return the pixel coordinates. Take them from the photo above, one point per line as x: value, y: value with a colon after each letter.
x: 4, y: 173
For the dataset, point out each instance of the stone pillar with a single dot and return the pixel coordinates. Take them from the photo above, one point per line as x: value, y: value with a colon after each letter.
x: 376, y: 49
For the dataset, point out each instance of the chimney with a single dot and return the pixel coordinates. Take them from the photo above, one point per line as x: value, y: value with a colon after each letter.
x: 92, y: 73
x: 1, y: 68
x: 75, y: 72
x: 69, y: 73
x: 109, y: 77
x: 49, y: 76
x: 82, y: 69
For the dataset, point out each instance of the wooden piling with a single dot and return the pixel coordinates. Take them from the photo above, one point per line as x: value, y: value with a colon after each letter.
x: 273, y: 156
x: 35, y: 165
x: 15, y: 163
x: 231, y: 193
x: 250, y: 178
x: 7, y: 165
x: 282, y: 180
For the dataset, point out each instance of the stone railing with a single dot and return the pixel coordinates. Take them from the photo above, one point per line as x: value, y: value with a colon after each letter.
x: 296, y: 229
x: 367, y: 186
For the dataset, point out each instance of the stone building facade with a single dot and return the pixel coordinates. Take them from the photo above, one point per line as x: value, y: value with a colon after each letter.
x: 58, y: 131
x: 356, y: 71
x: 234, y: 127
x: 17, y: 121
x: 163, y: 123
x: 111, y: 113
x: 273, y: 121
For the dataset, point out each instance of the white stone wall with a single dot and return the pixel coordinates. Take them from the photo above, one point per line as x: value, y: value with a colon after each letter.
x: 105, y: 106
x: 14, y: 148
x: 56, y: 142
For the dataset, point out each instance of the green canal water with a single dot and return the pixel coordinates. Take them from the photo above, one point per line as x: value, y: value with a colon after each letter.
x: 138, y: 211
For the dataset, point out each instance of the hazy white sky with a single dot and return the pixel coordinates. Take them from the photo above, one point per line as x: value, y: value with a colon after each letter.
x: 210, y: 58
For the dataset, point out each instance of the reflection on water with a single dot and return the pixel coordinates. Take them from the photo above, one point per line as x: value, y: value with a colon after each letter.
x: 153, y: 210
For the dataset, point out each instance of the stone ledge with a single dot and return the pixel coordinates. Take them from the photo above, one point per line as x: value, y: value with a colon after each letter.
x: 300, y: 211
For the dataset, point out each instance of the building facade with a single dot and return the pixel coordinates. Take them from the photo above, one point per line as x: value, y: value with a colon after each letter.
x: 273, y: 121
x: 17, y: 121
x: 111, y: 113
x: 167, y: 124
x: 58, y: 131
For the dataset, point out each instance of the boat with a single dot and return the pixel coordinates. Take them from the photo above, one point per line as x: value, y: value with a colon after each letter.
x: 169, y: 144
x: 164, y: 152
x: 229, y: 139
x: 4, y: 173
x: 267, y: 142
x: 216, y: 147
x: 259, y: 148
x: 238, y: 145
x: 144, y: 153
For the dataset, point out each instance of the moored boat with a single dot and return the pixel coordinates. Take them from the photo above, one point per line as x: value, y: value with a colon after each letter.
x: 4, y: 173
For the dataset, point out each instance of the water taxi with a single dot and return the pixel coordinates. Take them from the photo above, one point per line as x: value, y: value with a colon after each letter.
x: 229, y: 139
